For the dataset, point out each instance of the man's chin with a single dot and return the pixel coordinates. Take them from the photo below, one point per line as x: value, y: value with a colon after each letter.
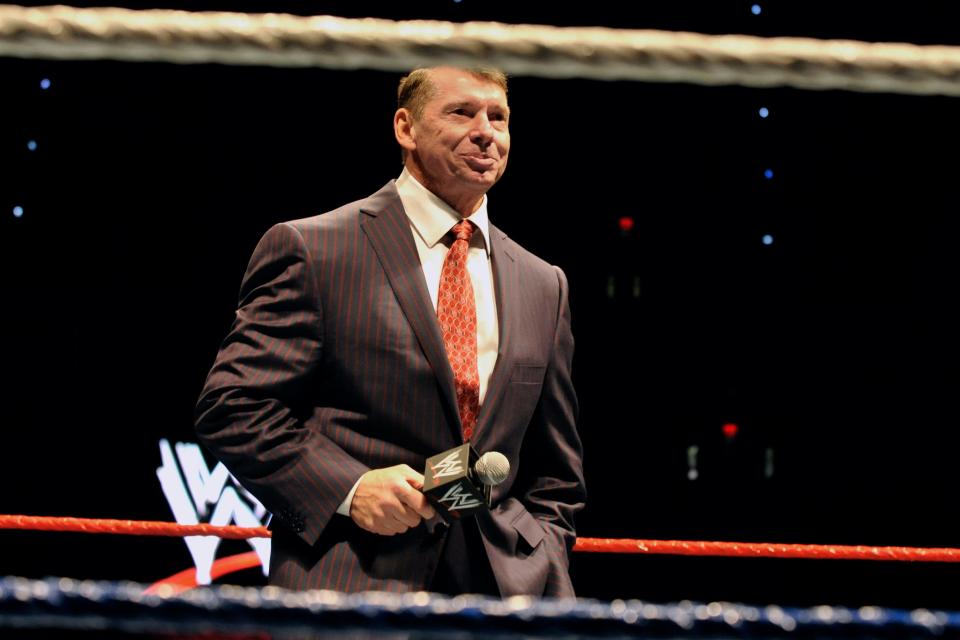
x: 484, y: 179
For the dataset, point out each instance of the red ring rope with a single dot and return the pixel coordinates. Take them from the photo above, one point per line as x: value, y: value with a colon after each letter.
x: 129, y: 527
x: 588, y: 545
x: 766, y: 550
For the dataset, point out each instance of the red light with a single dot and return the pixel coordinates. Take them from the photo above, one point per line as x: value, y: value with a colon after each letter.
x: 626, y: 224
x: 730, y: 430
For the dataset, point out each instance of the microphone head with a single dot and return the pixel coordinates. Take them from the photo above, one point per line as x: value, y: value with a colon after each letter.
x: 492, y: 468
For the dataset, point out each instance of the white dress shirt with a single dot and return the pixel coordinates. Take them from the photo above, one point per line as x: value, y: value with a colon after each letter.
x: 430, y: 220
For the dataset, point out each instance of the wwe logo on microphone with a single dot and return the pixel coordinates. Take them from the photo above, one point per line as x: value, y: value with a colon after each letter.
x: 457, y: 498
x: 448, y: 483
x: 452, y: 465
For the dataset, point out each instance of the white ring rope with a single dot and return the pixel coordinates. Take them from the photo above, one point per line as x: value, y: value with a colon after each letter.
x: 60, y: 32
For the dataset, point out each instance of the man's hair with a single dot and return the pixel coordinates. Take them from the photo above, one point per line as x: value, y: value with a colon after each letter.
x: 416, y: 89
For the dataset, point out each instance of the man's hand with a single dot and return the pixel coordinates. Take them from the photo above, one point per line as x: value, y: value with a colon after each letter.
x: 388, y: 501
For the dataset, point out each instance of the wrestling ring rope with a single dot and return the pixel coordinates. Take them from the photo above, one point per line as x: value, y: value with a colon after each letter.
x: 177, y: 605
x: 97, y: 606
x: 584, y: 545
x: 60, y: 32
x: 174, y: 607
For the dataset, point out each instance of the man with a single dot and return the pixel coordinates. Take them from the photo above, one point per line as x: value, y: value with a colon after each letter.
x: 372, y: 337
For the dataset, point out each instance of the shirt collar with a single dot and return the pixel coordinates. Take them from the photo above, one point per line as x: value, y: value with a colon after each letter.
x: 431, y: 217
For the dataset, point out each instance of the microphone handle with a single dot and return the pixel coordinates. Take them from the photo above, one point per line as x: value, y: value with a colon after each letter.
x: 483, y: 487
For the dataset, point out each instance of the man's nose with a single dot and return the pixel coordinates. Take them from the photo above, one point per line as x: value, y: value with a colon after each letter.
x: 482, y: 132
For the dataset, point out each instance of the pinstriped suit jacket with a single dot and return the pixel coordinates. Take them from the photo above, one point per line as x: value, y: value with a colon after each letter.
x: 335, y: 365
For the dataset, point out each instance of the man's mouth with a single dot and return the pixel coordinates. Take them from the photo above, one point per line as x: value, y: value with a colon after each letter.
x: 480, y: 163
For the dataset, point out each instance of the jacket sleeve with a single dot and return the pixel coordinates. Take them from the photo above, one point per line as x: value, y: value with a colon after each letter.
x: 251, y: 411
x: 553, y: 488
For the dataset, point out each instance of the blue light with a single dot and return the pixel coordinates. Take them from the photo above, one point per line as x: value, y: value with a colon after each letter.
x: 764, y: 112
x: 768, y: 174
x: 768, y: 239
x: 45, y: 84
x: 755, y: 9
x: 32, y: 145
x: 17, y: 211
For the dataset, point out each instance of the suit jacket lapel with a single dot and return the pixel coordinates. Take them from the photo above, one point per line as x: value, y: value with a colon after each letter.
x: 506, y: 282
x: 388, y: 228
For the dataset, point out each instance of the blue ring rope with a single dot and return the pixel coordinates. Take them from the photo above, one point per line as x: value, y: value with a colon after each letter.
x: 64, y: 603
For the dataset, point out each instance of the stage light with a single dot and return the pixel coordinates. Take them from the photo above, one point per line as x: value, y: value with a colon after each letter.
x: 768, y: 239
x: 45, y: 84
x: 768, y: 174
x: 692, y: 472
x: 764, y: 112
x: 756, y: 10
x: 32, y: 145
x: 18, y: 212
x: 626, y: 224
x: 730, y: 430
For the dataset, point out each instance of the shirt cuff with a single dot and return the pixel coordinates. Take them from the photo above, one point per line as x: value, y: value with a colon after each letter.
x: 344, y: 508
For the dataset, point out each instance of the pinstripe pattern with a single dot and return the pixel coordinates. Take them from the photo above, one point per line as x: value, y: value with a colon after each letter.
x: 335, y: 365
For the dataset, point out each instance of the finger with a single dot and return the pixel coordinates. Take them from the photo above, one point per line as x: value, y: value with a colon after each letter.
x: 407, y: 494
x: 384, y: 527
x: 374, y: 526
x: 384, y: 530
x: 419, y: 503
x: 406, y: 516
x: 395, y: 509
x: 413, y: 478
x: 398, y: 527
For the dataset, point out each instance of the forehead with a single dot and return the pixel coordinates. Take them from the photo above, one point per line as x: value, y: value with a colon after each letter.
x: 453, y: 85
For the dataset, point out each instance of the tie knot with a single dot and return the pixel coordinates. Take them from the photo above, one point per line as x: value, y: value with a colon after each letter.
x: 463, y: 230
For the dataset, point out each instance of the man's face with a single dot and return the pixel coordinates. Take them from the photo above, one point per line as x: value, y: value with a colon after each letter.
x: 462, y: 139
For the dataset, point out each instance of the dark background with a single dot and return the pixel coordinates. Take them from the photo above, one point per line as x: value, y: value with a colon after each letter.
x: 833, y: 349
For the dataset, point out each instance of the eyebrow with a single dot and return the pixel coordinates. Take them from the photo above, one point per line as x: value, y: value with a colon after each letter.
x: 471, y: 103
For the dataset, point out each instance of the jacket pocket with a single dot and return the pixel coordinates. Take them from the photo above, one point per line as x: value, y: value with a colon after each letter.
x: 529, y: 530
x: 528, y: 373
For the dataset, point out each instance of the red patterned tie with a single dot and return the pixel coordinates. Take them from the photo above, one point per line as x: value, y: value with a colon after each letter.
x: 457, y: 313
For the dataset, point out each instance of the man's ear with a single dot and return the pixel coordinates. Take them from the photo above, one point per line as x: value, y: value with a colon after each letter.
x: 403, y: 129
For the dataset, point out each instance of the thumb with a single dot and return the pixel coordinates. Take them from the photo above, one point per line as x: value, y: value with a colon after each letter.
x: 415, y: 481
x: 413, y: 478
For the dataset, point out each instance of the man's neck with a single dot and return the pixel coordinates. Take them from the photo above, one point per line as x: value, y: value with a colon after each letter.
x: 463, y: 203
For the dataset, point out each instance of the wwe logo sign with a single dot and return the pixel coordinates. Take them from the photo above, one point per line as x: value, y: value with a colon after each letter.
x: 458, y: 498
x: 196, y: 494
x: 449, y: 466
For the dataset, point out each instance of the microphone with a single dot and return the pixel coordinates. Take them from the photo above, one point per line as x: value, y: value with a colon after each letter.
x: 492, y: 468
x: 458, y: 482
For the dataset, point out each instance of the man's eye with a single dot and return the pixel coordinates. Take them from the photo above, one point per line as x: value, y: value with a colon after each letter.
x: 460, y: 112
